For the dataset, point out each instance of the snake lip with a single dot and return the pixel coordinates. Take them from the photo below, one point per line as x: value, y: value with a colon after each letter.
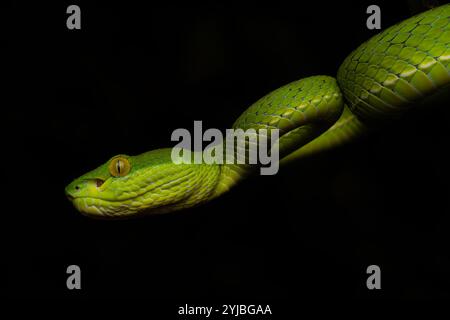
x: 102, y: 199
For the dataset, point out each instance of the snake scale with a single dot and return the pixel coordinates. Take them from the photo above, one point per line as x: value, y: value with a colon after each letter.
x: 405, y: 65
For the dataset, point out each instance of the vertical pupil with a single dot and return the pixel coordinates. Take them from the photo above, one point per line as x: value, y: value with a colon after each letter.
x: 118, y: 165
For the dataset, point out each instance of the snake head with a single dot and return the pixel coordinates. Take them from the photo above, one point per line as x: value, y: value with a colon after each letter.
x: 127, y: 186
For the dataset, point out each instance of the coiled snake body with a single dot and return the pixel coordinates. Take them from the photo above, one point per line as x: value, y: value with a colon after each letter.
x: 406, y: 64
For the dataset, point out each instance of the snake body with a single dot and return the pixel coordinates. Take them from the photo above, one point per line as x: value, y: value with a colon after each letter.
x: 383, y: 78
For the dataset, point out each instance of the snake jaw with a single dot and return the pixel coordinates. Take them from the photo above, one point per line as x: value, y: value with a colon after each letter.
x: 89, y: 210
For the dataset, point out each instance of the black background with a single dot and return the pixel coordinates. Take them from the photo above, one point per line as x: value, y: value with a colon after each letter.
x: 132, y: 75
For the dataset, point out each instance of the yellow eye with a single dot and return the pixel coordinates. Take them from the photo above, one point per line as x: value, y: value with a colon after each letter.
x: 119, y: 167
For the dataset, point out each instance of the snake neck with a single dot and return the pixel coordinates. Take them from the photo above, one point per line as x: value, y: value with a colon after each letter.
x: 230, y: 175
x: 231, y: 171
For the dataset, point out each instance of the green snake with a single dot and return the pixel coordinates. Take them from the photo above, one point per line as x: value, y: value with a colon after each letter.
x: 399, y: 68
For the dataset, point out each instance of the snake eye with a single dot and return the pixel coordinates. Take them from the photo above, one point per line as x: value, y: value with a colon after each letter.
x: 119, y: 167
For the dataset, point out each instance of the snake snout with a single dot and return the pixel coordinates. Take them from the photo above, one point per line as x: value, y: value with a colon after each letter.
x: 68, y: 194
x: 74, y: 189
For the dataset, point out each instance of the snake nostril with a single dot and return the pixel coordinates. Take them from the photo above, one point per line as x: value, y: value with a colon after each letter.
x: 77, y: 188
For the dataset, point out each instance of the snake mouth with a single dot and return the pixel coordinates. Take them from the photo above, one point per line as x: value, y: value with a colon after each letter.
x: 95, y: 207
x: 104, y: 209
